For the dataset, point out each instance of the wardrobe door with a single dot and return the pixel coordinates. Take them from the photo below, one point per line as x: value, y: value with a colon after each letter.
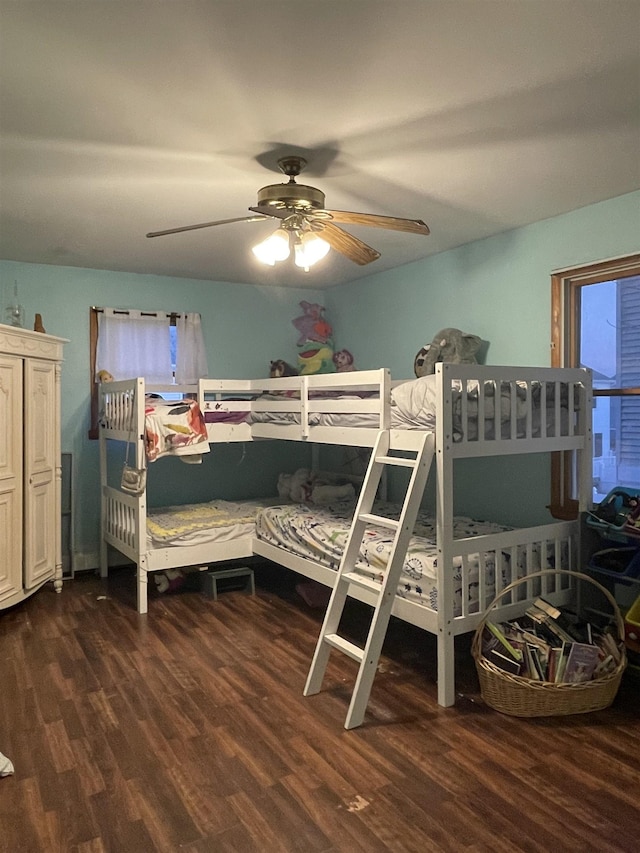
x: 40, y: 472
x: 10, y: 476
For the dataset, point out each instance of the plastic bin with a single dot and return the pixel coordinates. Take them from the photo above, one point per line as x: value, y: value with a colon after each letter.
x: 621, y: 563
x: 611, y: 516
x: 632, y: 627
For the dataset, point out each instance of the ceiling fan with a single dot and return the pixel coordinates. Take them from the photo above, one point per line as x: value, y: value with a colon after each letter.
x: 304, y: 218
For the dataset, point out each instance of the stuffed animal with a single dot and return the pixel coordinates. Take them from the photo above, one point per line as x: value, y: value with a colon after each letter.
x: 281, y: 368
x: 419, y: 360
x: 315, y: 343
x: 304, y: 486
x: 343, y: 361
x: 171, y: 580
x: 104, y: 376
x: 311, y: 324
x: 449, y: 345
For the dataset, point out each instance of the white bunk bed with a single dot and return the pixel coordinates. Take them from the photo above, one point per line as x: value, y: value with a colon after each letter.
x: 127, y: 522
x: 541, y: 410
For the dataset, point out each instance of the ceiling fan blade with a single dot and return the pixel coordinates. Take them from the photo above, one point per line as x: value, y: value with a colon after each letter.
x: 411, y: 226
x: 270, y: 210
x: 345, y: 243
x: 205, y: 225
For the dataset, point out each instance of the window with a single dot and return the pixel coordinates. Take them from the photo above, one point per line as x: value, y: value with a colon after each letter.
x: 166, y: 349
x: 596, y: 324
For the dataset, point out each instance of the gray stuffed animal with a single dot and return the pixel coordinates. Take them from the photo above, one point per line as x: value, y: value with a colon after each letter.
x: 450, y: 345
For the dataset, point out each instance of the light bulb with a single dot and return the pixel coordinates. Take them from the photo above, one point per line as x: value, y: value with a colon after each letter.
x: 310, y: 249
x: 274, y: 248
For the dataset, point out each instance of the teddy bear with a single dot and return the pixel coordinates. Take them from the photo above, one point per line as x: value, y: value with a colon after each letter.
x: 449, y: 345
x: 279, y: 367
x: 104, y: 376
x: 343, y: 361
x: 305, y: 486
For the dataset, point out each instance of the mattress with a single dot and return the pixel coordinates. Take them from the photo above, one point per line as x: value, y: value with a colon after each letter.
x: 203, y: 523
x: 413, y: 406
x: 320, y: 533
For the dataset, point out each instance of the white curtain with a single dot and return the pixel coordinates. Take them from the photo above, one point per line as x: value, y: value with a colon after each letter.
x: 191, y: 356
x: 134, y: 344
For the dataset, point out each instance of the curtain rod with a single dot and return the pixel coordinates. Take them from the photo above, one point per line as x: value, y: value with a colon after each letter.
x: 173, y: 315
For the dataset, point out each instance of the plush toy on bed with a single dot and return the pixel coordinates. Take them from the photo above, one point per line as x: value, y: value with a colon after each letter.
x: 104, y: 376
x: 279, y: 367
x: 343, y: 361
x: 449, y: 345
x: 304, y: 486
x: 315, y: 340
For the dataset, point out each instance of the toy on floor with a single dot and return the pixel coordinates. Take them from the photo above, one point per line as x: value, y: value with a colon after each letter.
x: 305, y: 486
x: 171, y: 580
x: 6, y: 766
x: 449, y: 345
x: 313, y: 594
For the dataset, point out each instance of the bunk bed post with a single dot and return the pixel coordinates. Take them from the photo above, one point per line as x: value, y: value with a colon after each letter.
x: 104, y: 567
x: 142, y: 585
x: 140, y: 531
x: 444, y: 536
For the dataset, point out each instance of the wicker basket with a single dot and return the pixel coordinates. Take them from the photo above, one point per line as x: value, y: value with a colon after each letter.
x: 523, y: 697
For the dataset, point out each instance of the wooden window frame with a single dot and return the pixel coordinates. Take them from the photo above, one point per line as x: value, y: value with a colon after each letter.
x: 94, y: 432
x: 566, y: 288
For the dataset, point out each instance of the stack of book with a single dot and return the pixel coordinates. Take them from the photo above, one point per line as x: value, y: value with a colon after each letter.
x: 546, y: 645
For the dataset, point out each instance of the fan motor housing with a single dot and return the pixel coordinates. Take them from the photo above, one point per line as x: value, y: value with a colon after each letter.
x: 292, y: 195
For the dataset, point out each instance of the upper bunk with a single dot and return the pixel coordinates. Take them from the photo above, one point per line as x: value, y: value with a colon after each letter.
x: 474, y: 410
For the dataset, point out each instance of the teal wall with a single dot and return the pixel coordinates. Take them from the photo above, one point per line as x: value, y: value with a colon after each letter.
x: 498, y: 288
x: 244, y: 327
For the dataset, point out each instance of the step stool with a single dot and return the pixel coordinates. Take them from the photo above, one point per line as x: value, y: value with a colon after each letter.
x: 211, y: 578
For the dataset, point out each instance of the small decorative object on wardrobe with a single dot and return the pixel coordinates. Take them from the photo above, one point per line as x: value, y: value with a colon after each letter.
x: 14, y: 312
x: 37, y: 325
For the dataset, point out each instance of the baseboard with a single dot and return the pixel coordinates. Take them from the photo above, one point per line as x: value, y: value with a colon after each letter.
x: 90, y: 562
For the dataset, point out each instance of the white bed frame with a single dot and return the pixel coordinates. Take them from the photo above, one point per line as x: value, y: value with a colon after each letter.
x: 124, y: 517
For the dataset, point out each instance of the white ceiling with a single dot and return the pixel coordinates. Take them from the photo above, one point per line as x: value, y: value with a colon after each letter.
x: 119, y: 118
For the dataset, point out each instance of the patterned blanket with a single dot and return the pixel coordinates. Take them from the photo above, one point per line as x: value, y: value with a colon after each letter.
x: 168, y: 524
x: 320, y: 533
x: 174, y: 428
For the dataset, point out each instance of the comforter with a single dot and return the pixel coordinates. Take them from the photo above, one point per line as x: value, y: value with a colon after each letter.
x: 174, y: 428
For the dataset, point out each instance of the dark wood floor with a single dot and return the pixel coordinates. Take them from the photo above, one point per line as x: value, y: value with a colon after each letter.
x: 187, y: 731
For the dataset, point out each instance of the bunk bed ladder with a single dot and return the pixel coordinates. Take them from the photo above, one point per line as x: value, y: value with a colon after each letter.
x: 384, y: 591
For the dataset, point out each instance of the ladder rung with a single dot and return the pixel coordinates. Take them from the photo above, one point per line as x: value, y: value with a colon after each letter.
x: 397, y: 460
x: 391, y: 523
x: 363, y: 581
x: 345, y: 646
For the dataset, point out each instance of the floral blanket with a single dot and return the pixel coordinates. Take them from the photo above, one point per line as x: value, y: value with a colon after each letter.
x: 320, y: 533
x: 174, y: 428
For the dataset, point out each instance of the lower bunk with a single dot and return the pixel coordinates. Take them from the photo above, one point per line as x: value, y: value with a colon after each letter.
x: 444, y: 600
x: 178, y: 537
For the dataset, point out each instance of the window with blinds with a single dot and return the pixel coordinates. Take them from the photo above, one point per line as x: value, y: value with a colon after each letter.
x: 596, y: 324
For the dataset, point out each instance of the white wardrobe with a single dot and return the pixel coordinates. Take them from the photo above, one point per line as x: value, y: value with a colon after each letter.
x: 30, y: 463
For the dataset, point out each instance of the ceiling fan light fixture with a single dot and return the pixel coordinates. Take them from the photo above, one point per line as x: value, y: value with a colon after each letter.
x: 274, y: 248
x: 309, y: 249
